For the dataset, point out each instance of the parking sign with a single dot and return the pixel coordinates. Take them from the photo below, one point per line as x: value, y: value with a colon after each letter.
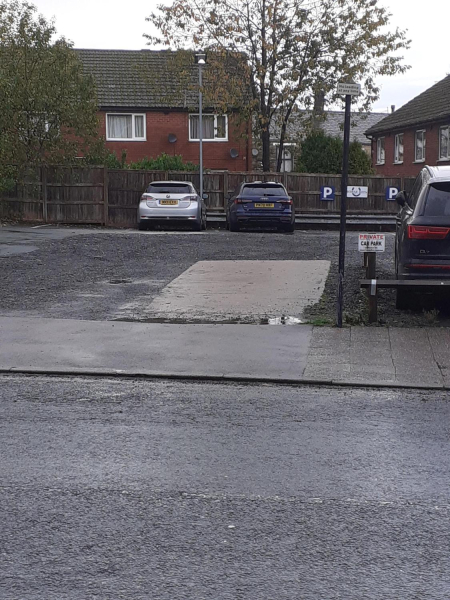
x: 391, y: 192
x: 327, y: 192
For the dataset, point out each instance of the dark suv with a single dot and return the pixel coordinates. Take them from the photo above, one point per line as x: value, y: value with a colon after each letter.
x: 422, y: 244
x: 260, y: 204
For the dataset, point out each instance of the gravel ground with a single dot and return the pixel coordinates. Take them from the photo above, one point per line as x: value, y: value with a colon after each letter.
x: 89, y: 276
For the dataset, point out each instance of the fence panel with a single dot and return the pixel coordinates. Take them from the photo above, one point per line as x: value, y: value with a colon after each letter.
x: 73, y: 194
x: 98, y: 195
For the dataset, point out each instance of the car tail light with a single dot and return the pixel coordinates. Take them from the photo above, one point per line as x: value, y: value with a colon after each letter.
x: 190, y: 198
x: 150, y: 201
x: 240, y: 200
x: 288, y: 201
x: 419, y: 232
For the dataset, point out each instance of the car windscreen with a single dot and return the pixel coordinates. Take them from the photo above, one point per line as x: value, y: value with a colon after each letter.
x: 169, y: 188
x: 437, y: 201
x: 263, y: 190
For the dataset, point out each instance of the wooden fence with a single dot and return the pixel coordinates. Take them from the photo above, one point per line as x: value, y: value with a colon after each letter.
x: 98, y: 195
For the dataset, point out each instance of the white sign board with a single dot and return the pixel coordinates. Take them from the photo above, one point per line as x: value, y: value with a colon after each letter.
x: 349, y: 89
x: 355, y: 191
x: 371, y: 242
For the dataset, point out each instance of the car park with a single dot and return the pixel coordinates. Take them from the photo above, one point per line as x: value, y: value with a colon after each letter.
x: 422, y: 243
x: 263, y: 204
x: 176, y: 201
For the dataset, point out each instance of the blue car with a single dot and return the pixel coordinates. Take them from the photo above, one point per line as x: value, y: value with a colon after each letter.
x: 260, y: 204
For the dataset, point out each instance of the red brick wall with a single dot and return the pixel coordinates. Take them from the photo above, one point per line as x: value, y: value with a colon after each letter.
x: 409, y: 166
x: 216, y: 155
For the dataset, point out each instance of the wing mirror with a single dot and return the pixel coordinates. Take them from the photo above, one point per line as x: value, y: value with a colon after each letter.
x: 205, y: 196
x: 401, y: 198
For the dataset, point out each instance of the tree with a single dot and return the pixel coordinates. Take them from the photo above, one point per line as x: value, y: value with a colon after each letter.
x: 321, y: 153
x: 48, y: 105
x: 293, y: 48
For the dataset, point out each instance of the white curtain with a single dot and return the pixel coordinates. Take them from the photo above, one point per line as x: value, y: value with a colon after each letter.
x: 444, y: 149
x: 120, y: 126
x: 208, y: 127
x: 139, y: 126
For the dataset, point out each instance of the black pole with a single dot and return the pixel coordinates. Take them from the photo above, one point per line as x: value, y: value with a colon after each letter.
x: 344, y: 183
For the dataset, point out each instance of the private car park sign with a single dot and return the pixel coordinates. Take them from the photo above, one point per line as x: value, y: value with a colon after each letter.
x: 371, y: 242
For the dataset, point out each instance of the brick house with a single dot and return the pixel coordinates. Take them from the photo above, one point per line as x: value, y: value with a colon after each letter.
x: 331, y: 122
x: 417, y: 133
x: 144, y: 110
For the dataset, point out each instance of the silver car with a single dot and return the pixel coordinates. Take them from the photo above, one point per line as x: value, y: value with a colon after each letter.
x: 172, y: 201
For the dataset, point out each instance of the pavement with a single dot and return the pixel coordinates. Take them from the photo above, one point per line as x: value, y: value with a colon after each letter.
x: 361, y: 356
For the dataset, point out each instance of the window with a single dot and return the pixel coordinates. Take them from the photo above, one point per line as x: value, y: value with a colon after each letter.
x: 125, y: 127
x: 398, y: 148
x: 420, y: 146
x: 437, y: 203
x: 415, y: 190
x: 263, y: 189
x: 380, y: 151
x: 444, y: 143
x: 287, y: 159
x: 215, y: 128
x: 170, y: 188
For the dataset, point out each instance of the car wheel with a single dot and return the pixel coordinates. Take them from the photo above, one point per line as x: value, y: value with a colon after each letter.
x: 143, y: 225
x: 197, y: 225
x: 204, y: 222
x: 289, y: 228
x: 233, y: 226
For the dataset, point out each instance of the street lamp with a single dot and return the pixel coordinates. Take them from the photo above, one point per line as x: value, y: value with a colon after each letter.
x: 200, y: 59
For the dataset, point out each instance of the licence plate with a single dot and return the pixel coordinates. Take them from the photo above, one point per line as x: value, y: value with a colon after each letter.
x: 264, y: 205
x: 169, y: 202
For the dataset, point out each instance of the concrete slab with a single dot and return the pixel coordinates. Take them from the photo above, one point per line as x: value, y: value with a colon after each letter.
x: 396, y: 356
x: 136, y: 348
x: 235, y: 291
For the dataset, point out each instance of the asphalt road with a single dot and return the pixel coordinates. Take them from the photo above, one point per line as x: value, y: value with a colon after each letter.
x: 151, y: 490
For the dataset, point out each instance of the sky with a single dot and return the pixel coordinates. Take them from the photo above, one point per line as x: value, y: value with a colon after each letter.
x: 120, y: 25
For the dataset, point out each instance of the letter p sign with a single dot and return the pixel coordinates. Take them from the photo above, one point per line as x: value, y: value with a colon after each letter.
x: 327, y: 192
x: 391, y: 192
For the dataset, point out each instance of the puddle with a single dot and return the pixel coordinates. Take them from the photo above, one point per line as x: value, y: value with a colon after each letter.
x: 119, y: 281
x: 283, y: 320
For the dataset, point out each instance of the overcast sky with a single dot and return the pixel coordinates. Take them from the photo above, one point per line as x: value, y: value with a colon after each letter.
x: 120, y: 25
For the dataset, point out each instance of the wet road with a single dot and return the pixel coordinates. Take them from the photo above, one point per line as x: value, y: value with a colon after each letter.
x: 134, y: 489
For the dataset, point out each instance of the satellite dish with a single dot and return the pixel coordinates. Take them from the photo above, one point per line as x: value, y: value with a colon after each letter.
x: 234, y: 153
x: 172, y: 138
x: 255, y: 152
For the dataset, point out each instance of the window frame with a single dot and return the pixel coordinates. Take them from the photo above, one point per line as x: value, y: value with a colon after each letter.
x: 289, y: 147
x: 396, y: 148
x: 215, y: 139
x: 424, y: 139
x: 444, y: 158
x: 379, y: 161
x: 133, y: 137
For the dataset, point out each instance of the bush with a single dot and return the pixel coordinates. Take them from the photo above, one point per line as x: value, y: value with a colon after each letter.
x: 100, y: 155
x: 321, y: 153
x: 163, y: 162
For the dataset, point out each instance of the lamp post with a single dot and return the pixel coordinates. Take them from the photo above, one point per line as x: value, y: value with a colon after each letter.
x: 200, y: 59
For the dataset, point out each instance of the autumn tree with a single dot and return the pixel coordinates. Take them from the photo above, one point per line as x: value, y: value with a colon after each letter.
x: 293, y: 48
x: 48, y: 105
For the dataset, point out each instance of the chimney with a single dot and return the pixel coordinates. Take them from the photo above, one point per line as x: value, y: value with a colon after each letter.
x: 392, y: 108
